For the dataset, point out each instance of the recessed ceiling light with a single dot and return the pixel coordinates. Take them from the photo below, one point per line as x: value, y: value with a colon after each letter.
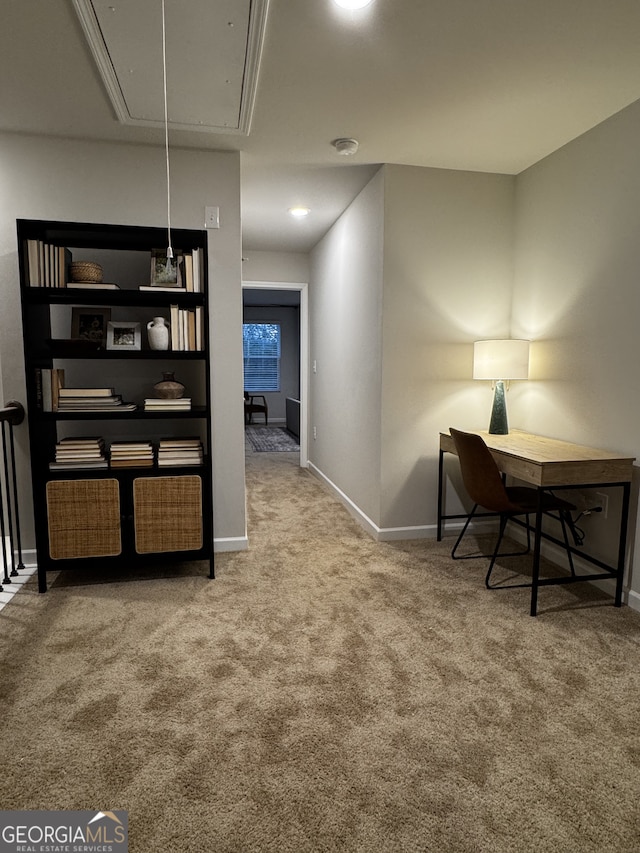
x: 299, y: 212
x: 352, y: 4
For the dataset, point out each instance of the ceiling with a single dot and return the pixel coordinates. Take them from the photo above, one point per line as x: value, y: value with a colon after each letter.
x: 481, y: 85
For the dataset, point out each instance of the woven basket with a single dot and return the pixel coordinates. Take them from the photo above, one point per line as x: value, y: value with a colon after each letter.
x: 85, y: 271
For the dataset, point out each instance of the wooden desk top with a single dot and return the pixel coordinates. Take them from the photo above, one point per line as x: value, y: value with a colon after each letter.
x: 549, y: 462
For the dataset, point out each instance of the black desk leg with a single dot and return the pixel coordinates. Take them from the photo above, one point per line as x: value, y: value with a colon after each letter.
x: 622, y: 547
x: 440, y: 490
x: 535, y: 570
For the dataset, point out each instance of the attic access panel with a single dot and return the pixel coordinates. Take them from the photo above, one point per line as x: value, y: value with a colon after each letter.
x: 213, y: 56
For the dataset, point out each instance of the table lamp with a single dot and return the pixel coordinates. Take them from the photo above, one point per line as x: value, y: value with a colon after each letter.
x: 500, y: 361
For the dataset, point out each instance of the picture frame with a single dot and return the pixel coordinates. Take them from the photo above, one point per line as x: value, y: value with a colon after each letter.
x: 90, y: 324
x: 159, y: 274
x: 123, y: 335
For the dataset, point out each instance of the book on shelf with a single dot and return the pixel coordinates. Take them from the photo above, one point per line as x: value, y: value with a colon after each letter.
x: 90, y: 406
x: 188, y: 441
x: 199, y: 329
x: 131, y: 463
x: 142, y: 452
x: 180, y: 454
x: 179, y: 405
x: 78, y: 452
x: 122, y: 457
x: 87, y: 392
x: 47, y: 265
x: 49, y: 381
x: 197, y: 265
x: 93, y: 285
x: 82, y: 465
x: 191, y: 271
x: 186, y: 329
x: 68, y: 403
x: 131, y: 445
x: 163, y: 288
x: 81, y: 441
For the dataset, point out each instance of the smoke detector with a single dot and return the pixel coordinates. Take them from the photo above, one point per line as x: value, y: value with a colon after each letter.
x: 345, y: 146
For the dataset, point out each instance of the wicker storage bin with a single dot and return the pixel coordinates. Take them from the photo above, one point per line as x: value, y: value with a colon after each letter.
x: 85, y: 271
x: 168, y: 514
x: 84, y: 518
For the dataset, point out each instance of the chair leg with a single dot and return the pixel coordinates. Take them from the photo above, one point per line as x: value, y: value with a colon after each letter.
x: 480, y: 555
x: 494, y: 557
x: 462, y: 532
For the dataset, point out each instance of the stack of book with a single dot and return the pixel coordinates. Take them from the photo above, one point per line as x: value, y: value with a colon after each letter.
x: 131, y: 454
x: 91, y: 400
x: 180, y: 451
x: 156, y: 404
x: 76, y: 453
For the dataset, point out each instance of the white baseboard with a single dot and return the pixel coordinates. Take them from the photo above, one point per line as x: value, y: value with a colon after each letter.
x: 354, y: 510
x: 231, y: 543
x: 633, y: 600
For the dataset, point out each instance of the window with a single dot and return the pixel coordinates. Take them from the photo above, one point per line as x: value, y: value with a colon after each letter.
x: 261, y: 354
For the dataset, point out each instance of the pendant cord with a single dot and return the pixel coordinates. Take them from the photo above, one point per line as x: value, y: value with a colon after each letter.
x: 166, y: 134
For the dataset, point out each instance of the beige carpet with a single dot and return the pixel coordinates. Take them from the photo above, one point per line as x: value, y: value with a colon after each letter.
x: 325, y: 693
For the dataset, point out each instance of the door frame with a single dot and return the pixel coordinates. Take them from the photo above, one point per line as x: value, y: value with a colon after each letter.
x: 303, y: 289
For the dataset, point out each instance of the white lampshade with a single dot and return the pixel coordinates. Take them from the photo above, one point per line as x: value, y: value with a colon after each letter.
x: 501, y: 360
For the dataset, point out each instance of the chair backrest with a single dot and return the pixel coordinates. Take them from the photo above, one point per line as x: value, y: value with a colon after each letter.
x: 480, y: 473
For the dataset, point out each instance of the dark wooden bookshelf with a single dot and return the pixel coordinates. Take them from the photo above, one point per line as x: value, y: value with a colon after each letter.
x: 104, y: 518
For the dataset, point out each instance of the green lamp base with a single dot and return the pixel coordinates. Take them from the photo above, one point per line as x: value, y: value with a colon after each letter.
x: 499, y: 424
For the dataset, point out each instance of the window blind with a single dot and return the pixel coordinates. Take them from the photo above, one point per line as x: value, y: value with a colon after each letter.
x: 261, y: 355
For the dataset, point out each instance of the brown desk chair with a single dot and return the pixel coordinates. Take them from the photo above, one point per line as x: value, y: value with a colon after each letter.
x: 486, y: 488
x: 251, y: 408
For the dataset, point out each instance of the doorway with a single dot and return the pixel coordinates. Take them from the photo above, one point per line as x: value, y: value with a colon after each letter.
x: 271, y: 296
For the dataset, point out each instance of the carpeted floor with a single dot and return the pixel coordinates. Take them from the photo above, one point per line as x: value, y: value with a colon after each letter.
x: 325, y: 693
x: 271, y: 439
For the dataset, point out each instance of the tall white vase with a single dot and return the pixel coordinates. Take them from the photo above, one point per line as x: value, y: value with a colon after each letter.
x: 158, y: 333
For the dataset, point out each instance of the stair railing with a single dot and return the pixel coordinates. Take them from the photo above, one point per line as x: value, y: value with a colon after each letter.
x: 10, y: 416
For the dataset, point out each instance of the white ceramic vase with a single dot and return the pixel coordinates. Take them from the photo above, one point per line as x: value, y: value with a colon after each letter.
x: 158, y: 333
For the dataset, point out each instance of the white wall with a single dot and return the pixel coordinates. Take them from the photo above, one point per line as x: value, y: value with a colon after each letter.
x: 448, y: 243
x: 291, y: 267
x: 418, y: 268
x: 94, y: 182
x: 577, y: 296
x: 345, y: 305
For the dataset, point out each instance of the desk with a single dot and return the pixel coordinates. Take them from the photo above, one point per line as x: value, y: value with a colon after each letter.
x: 547, y: 463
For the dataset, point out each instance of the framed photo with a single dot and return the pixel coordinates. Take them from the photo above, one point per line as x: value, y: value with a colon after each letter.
x: 166, y: 272
x: 123, y: 335
x: 90, y: 324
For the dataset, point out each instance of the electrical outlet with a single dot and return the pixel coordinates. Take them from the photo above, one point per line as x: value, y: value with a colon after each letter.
x: 602, y: 500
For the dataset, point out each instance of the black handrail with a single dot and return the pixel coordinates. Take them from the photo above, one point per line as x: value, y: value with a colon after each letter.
x: 11, y: 415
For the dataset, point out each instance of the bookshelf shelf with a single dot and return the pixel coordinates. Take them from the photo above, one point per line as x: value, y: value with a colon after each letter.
x: 103, y: 516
